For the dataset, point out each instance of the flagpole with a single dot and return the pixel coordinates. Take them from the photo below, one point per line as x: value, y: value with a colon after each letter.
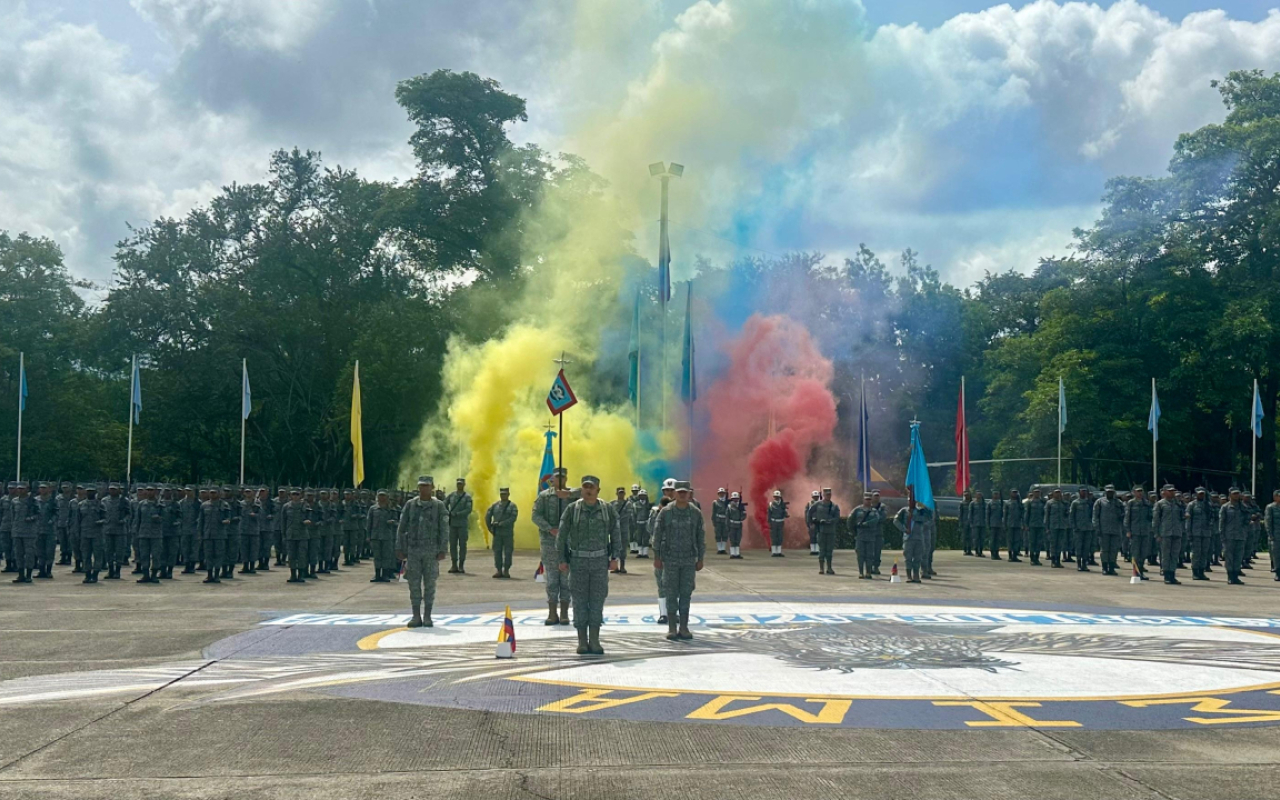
x: 662, y: 295
x: 964, y: 441
x: 22, y: 377
x: 1254, y: 429
x: 128, y: 462
x: 1060, y: 391
x: 244, y: 370
x: 639, y: 362
x: 1154, y: 472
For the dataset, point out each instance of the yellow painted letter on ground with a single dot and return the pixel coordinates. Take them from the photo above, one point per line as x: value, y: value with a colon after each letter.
x: 1003, y: 715
x: 594, y: 700
x: 831, y: 713
x: 1211, y: 705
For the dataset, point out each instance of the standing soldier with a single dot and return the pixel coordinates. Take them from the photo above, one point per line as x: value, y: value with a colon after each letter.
x: 1015, y: 522
x: 1271, y: 521
x: 548, y: 509
x: 1201, y: 520
x: 277, y: 524
x: 315, y: 532
x: 1167, y: 525
x: 422, y: 542
x: 295, y: 522
x: 170, y: 531
x: 459, y: 505
x: 642, y: 510
x: 380, y: 523
x: 624, y: 526
x: 6, y: 528
x: 1233, y: 526
x: 1137, y: 527
x: 814, y: 497
x: 1057, y: 520
x: 777, y: 519
x: 720, y: 521
x: 266, y: 533
x: 878, y: 541
x: 23, y: 513
x: 913, y: 537
x: 89, y: 518
x: 500, y: 519
x: 46, y: 539
x: 231, y: 507
x: 735, y: 515
x: 349, y: 515
x: 248, y: 531
x: 1082, y: 530
x: 825, y: 518
x: 1036, y: 540
x: 214, y: 530
x: 977, y: 523
x: 1108, y: 521
x: 189, y: 528
x: 589, y: 536
x: 73, y: 527
x: 631, y: 522
x: 1215, y: 541
x: 995, y: 523
x: 150, y: 534
x: 115, y: 518
x: 1253, y: 540
x: 324, y: 519
x: 62, y: 521
x: 864, y: 521
x: 679, y: 547
x: 964, y: 522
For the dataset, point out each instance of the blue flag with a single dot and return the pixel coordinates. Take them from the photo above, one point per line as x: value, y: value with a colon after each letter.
x: 864, y: 447
x: 633, y: 354
x: 1153, y: 418
x: 1257, y: 412
x: 246, y: 396
x: 918, y: 471
x: 135, y: 402
x: 548, y: 464
x: 22, y: 387
x: 561, y: 397
x: 688, y: 376
x: 1062, y: 406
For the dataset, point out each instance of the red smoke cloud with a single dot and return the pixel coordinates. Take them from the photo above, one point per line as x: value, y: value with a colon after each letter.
x: 771, y: 414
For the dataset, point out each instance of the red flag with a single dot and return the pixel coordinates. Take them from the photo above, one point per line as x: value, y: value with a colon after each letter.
x: 963, y: 477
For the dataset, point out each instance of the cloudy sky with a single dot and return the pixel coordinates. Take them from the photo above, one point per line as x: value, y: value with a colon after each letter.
x: 977, y: 134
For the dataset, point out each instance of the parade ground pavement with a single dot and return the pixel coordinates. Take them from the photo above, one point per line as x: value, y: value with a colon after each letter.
x: 994, y: 680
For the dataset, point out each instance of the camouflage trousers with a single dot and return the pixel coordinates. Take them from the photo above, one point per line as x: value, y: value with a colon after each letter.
x: 458, y: 545
x: 826, y: 545
x: 1108, y: 547
x: 384, y: 556
x: 297, y: 553
x: 679, y: 579
x: 913, y: 552
x: 1035, y: 542
x: 589, y: 586
x: 1170, y: 552
x: 249, y: 544
x: 24, y: 552
x: 150, y: 554
x: 1234, y: 550
x: 117, y: 548
x: 775, y: 533
x: 865, y: 544
x: 1140, y: 549
x: 1200, y: 553
x: 215, y: 553
x: 557, y: 582
x: 46, y: 545
x: 92, y: 553
x: 504, y: 543
x: 997, y: 538
x: 421, y: 570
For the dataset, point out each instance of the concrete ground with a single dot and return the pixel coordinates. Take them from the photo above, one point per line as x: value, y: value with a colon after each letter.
x: 155, y: 742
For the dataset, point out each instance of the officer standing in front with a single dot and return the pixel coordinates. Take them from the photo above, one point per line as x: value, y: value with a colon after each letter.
x: 588, y: 537
x: 825, y: 516
x: 679, y: 547
x: 1108, y: 520
x: 864, y: 521
x: 422, y: 542
x: 500, y: 519
x: 1167, y: 525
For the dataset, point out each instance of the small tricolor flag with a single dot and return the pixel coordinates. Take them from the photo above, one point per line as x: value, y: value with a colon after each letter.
x: 541, y: 575
x: 506, y: 637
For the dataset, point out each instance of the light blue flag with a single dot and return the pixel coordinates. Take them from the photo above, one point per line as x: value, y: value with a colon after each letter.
x: 135, y: 404
x: 688, y: 371
x: 246, y: 396
x: 1257, y: 412
x: 918, y: 471
x: 548, y: 464
x: 1062, y: 406
x: 1153, y: 418
x: 22, y: 389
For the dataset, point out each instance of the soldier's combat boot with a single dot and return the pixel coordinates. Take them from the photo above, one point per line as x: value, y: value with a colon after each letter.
x: 583, y: 647
x: 416, y: 622
x: 552, y: 617
x: 821, y: 571
x: 498, y: 573
x: 264, y: 564
x: 672, y: 635
x: 189, y: 569
x: 78, y: 568
x: 1169, y: 579
x: 593, y: 641
x: 426, y: 617
x: 564, y: 612
x: 453, y: 568
x: 684, y: 626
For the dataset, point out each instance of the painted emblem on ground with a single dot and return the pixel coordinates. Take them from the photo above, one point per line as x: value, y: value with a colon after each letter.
x: 762, y: 663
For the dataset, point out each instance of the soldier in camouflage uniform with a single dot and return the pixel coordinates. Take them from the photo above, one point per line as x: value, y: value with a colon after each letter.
x: 1015, y: 522
x: 171, y: 531
x: 46, y: 538
x: 1036, y: 541
x: 324, y: 519
x: 735, y: 515
x: 73, y: 528
x: 1167, y: 525
x: 1108, y: 521
x: 189, y: 528
x: 679, y: 547
x: 995, y: 523
x: 778, y: 514
x: 214, y: 531
x: 814, y: 497
x: 22, y: 511
x: 115, y: 519
x: 6, y: 527
x: 642, y: 511
x: 248, y: 531
x: 150, y: 534
x: 965, y: 500
x: 1137, y: 527
x: 277, y: 525
x: 88, y: 519
x: 231, y: 505
x: 912, y: 530
x: 977, y: 523
x: 381, y: 522
x: 500, y: 520
x: 1200, y: 522
x: 1271, y: 522
x: 459, y: 505
x: 295, y: 520
x: 1081, y: 514
x: 720, y: 521
x: 1233, y: 526
x: 589, y: 537
x: 422, y: 541
x: 864, y: 520
x: 350, y: 514
x: 548, y: 508
x: 62, y: 521
x: 1057, y: 521
x: 624, y: 524
x: 824, y: 515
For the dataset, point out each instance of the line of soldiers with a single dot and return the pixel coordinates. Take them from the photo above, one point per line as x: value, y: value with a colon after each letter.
x: 1204, y: 528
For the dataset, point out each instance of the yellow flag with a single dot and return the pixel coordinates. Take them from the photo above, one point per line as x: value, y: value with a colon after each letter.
x: 357, y: 436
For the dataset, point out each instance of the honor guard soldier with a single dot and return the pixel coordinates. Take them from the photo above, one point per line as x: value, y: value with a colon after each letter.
x: 548, y: 509
x: 735, y: 514
x: 679, y: 547
x: 1137, y: 527
x: 500, y: 519
x: 1167, y: 526
x: 1057, y: 521
x: 642, y: 508
x: 825, y: 518
x: 720, y: 521
x: 588, y: 538
x: 380, y: 524
x: 1200, y: 522
x: 630, y: 524
x: 1233, y: 526
x: 422, y: 542
x: 777, y: 519
x: 864, y: 521
x: 1108, y: 521
x: 808, y: 522
x: 459, y: 506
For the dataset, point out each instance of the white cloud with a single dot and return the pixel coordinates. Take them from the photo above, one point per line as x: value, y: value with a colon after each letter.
x: 280, y: 25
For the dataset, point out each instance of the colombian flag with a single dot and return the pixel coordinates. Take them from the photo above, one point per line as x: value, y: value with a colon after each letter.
x: 506, y: 637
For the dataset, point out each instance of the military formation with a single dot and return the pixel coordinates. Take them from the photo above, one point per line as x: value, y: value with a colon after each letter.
x: 1198, y: 530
